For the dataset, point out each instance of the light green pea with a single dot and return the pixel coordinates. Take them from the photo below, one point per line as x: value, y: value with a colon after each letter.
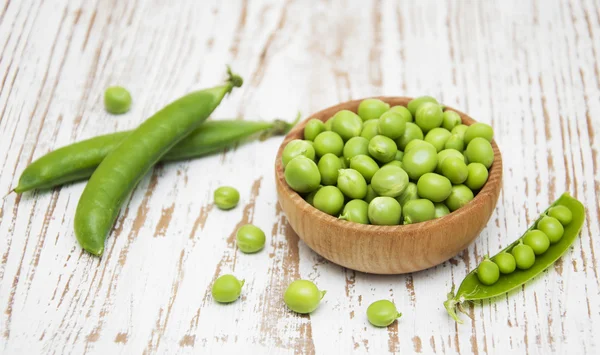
x: 438, y: 138
x: 117, y: 100
x: 369, y: 109
x: 297, y: 147
x: 250, y: 238
x: 226, y: 197
x: 226, y: 289
x: 480, y: 150
x: 382, y: 313
x: 313, y: 128
x: 303, y: 296
x: 451, y: 120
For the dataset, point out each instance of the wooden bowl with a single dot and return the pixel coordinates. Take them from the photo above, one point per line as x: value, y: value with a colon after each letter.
x: 386, y: 249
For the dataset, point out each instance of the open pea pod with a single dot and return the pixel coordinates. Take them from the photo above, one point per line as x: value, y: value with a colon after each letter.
x: 471, y: 289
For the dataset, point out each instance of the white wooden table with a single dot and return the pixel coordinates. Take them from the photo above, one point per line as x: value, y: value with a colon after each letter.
x: 529, y: 68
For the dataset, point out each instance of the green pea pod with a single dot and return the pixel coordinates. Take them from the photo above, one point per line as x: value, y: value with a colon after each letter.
x: 122, y: 169
x: 471, y: 289
x: 78, y: 161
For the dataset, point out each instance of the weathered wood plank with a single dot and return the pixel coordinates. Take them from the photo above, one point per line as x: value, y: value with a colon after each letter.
x: 529, y: 68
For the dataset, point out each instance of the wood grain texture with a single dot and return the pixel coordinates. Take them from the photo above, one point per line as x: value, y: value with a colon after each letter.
x: 529, y: 68
x: 386, y: 250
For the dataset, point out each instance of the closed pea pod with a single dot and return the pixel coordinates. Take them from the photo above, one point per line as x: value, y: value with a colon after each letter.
x: 123, y: 168
x: 471, y: 289
x: 78, y: 161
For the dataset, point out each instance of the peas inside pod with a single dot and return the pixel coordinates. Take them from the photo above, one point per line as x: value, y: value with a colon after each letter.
x: 387, y: 156
x: 546, y: 240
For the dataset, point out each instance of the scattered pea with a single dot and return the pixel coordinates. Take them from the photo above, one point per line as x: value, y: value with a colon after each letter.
x: 226, y: 197
x: 226, y: 289
x: 382, y: 313
x: 117, y: 100
x: 250, y: 238
x: 303, y: 296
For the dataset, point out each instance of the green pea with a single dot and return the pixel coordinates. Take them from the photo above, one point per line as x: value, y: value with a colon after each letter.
x: 371, y: 194
x: 226, y: 197
x: 370, y: 129
x: 460, y: 131
x: 403, y: 111
x: 302, y: 174
x: 506, y: 263
x: 419, y: 161
x: 391, y: 125
x: 409, y: 193
x: 562, y: 213
x: 369, y: 109
x: 411, y: 132
x: 479, y: 129
x: 399, y: 155
x: 382, y: 148
x: 459, y: 196
x: 297, y: 147
x: 480, y: 150
x: 117, y: 100
x: 537, y: 240
x: 440, y: 210
x: 394, y: 163
x: 524, y: 256
x: 226, y: 289
x: 419, y: 210
x: 415, y: 143
x: 329, y: 199
x: 328, y: 124
x: 488, y: 272
x: 434, y: 187
x: 313, y: 128
x: 365, y: 165
x: 310, y: 197
x: 384, y: 210
x: 329, y: 142
x: 352, y: 183
x: 389, y: 181
x: 356, y: 211
x: 382, y: 313
x: 356, y: 146
x: 451, y: 119
x: 303, y: 296
x: 347, y: 124
x: 438, y: 138
x: 447, y: 153
x: 344, y: 163
x: 329, y: 166
x: 414, y: 104
x: 552, y: 227
x: 429, y: 116
x: 250, y: 238
x: 455, y: 170
x: 455, y: 142
x: 477, y: 176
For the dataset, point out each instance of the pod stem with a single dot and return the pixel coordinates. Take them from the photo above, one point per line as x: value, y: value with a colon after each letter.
x: 323, y: 292
x: 234, y: 79
x: 451, y: 304
x: 8, y: 193
x: 278, y: 128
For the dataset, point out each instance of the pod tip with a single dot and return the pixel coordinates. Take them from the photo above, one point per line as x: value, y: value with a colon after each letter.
x: 234, y: 79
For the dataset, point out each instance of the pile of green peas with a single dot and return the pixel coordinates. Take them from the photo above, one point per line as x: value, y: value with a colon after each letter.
x: 390, y: 165
x: 548, y: 230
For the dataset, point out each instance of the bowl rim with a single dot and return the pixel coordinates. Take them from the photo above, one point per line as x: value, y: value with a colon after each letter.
x: 296, y: 133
